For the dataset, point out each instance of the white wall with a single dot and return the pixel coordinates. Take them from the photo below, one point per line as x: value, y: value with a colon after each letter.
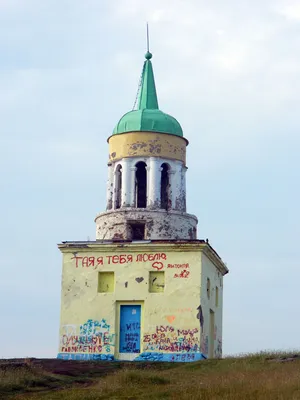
x: 209, y: 270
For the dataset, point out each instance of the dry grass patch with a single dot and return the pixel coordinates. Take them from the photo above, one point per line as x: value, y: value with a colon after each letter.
x: 25, y: 377
x: 131, y: 382
x: 256, y: 377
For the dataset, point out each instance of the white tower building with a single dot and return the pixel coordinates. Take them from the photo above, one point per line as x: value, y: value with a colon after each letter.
x: 146, y: 289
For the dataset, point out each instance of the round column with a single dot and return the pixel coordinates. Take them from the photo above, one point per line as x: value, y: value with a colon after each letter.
x: 117, y: 201
x: 154, y: 182
x: 133, y: 195
x: 177, y: 186
x: 126, y: 183
x: 184, y: 169
x: 172, y: 191
x: 110, y: 187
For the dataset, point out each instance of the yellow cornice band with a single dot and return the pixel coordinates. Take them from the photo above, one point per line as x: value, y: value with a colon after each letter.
x: 147, y: 144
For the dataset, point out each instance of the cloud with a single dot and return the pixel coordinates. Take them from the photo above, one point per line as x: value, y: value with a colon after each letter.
x: 239, y: 70
x: 241, y: 77
x: 290, y: 10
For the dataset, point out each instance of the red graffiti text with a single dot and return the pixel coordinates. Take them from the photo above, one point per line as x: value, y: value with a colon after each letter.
x: 92, y: 261
x: 183, y: 274
x: 178, y: 266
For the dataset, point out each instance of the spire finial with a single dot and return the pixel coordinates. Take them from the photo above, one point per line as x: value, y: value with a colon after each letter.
x: 147, y: 37
x: 148, y: 55
x: 147, y: 97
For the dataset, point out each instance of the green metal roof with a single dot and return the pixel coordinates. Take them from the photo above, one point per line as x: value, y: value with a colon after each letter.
x: 148, y: 117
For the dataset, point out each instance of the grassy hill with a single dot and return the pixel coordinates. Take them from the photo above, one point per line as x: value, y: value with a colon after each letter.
x: 259, y: 376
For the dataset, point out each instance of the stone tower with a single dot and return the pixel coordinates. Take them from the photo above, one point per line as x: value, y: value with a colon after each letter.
x: 146, y: 288
x: 146, y: 188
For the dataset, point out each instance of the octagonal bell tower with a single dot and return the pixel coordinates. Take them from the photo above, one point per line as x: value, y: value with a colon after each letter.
x: 146, y: 187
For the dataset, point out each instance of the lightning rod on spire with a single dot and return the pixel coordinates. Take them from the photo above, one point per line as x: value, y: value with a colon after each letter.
x: 147, y: 38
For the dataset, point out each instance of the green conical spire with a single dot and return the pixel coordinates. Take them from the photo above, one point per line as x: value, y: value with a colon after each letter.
x: 147, y: 95
x: 147, y: 117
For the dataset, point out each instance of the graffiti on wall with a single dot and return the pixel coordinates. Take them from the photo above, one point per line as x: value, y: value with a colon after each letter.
x: 94, y: 337
x: 170, y: 357
x: 117, y: 259
x: 85, y: 357
x: 131, y: 342
x: 158, y: 265
x: 178, y: 266
x: 120, y: 259
x: 170, y: 339
x: 170, y: 318
x: 184, y: 273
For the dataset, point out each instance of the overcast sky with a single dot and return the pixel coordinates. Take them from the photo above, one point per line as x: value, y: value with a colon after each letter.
x: 228, y: 71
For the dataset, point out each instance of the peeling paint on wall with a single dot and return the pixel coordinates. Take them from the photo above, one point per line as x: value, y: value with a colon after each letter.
x: 159, y: 224
x: 211, y: 340
x: 218, y: 351
x: 200, y: 316
x: 204, y: 345
x: 145, y: 144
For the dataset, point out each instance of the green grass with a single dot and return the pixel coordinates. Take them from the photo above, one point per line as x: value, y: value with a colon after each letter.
x: 263, y: 376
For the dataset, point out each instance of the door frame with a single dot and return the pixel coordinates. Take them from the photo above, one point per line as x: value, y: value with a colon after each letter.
x: 128, y: 356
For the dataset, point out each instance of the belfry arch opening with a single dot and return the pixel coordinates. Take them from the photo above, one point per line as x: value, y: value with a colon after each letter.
x: 118, y: 186
x: 141, y: 185
x: 165, y: 187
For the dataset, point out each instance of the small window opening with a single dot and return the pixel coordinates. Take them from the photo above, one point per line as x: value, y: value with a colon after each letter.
x: 137, y: 231
x: 208, y: 288
x: 118, y: 187
x: 141, y: 185
x: 217, y: 296
x: 156, y: 281
x: 165, y: 187
x: 106, y: 282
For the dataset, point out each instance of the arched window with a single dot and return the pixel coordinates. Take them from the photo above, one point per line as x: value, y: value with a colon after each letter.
x: 141, y: 185
x: 118, y: 186
x: 165, y: 187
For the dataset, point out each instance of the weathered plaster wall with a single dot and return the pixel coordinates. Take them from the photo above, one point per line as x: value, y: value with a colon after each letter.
x: 127, y: 167
x: 159, y: 224
x: 171, y: 320
x: 147, y: 144
x: 211, y: 337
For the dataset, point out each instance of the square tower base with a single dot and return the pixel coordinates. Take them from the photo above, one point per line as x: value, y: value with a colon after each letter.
x: 141, y: 301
